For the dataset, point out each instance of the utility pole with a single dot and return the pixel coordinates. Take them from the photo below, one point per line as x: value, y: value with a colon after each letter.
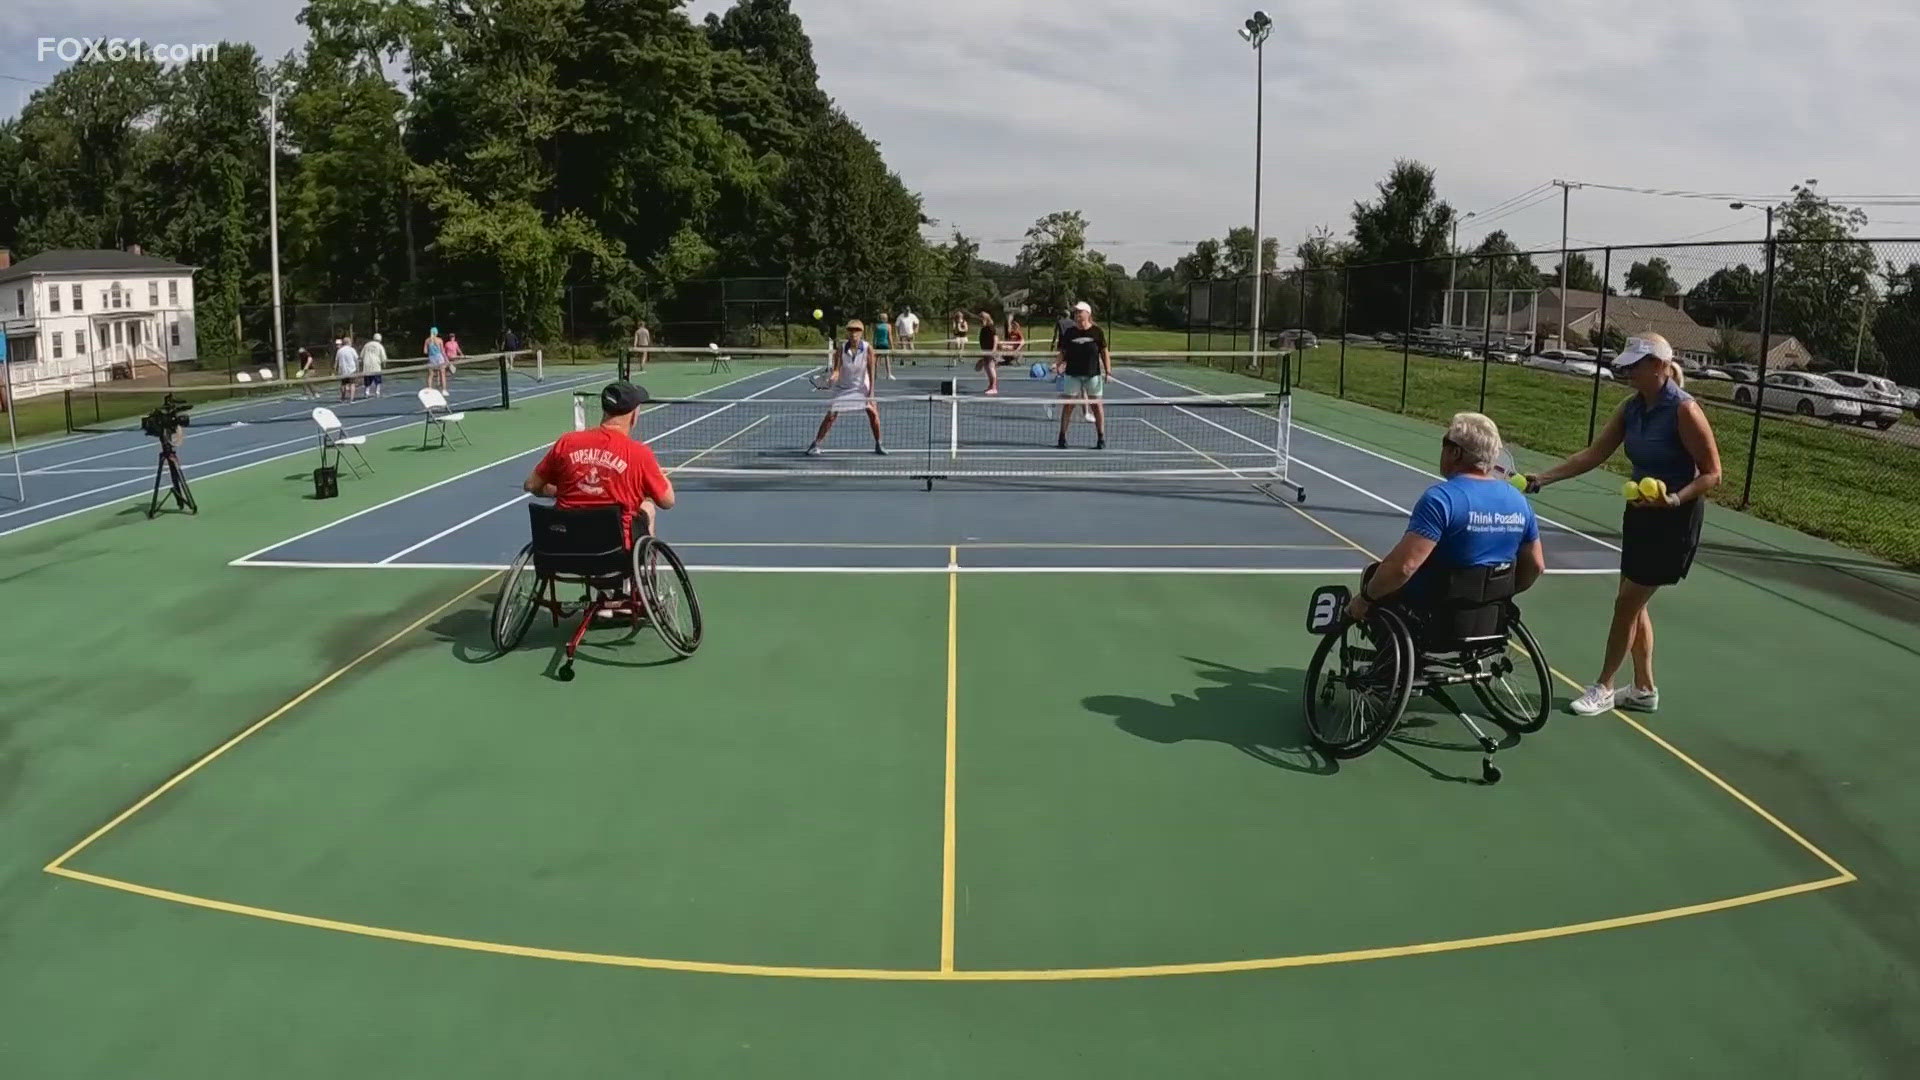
x: 1453, y: 268
x: 273, y: 215
x: 1566, y: 192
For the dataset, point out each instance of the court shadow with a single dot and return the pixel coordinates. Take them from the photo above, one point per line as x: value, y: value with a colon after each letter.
x: 1432, y: 724
x: 469, y: 635
x: 1255, y: 712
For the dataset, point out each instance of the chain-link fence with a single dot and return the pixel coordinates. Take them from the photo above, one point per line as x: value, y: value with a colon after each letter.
x: 1805, y: 355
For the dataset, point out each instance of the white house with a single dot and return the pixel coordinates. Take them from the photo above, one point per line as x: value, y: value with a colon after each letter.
x: 82, y: 316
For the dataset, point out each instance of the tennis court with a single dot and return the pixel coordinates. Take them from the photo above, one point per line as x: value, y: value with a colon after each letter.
x: 992, y: 760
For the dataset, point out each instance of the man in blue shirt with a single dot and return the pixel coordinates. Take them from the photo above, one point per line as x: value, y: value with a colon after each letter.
x: 1471, y: 518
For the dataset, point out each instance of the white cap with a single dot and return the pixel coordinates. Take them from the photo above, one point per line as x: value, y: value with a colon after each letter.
x: 1640, y: 348
x: 1083, y: 306
x: 376, y: 337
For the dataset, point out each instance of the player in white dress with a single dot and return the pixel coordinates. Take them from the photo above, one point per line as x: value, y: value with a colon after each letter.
x: 852, y: 381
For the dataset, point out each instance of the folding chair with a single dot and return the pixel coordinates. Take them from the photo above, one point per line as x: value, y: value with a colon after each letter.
x: 242, y: 377
x: 435, y: 403
x: 334, y: 437
x: 721, y: 362
x: 266, y: 374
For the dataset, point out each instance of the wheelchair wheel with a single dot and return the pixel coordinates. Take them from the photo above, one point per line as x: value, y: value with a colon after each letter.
x: 1358, y: 685
x: 519, y: 598
x: 1521, y: 691
x: 667, y: 591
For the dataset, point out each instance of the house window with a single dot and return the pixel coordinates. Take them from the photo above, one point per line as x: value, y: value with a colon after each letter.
x: 79, y: 342
x: 53, y: 299
x: 79, y: 304
x: 153, y: 294
x: 173, y: 294
x: 173, y: 333
x: 20, y: 300
x: 56, y: 344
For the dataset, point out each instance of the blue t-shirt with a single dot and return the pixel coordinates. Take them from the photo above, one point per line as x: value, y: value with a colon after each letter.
x: 1472, y: 522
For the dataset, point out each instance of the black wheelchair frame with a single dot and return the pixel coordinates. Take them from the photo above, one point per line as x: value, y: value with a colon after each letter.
x: 644, y: 583
x: 1467, y: 636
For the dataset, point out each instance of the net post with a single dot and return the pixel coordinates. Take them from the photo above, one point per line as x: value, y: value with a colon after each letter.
x: 11, y: 406
x: 506, y: 392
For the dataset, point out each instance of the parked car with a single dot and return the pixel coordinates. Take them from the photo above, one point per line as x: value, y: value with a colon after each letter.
x: 1746, y: 373
x: 1712, y: 373
x: 1567, y: 361
x: 1880, y: 400
x: 1502, y: 355
x: 1804, y: 393
x: 1912, y: 397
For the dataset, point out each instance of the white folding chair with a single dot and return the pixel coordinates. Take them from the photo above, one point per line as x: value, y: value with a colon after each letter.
x: 266, y: 374
x: 721, y: 362
x: 242, y: 377
x: 435, y: 403
x: 334, y: 437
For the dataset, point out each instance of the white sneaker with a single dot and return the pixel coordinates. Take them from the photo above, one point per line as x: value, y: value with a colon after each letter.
x: 1596, y: 700
x: 1632, y: 697
x: 814, y: 450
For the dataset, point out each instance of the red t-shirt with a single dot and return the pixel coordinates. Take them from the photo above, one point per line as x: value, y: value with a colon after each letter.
x: 598, y: 466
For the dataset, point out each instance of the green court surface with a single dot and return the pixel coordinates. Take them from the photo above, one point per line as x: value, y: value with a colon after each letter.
x: 299, y: 823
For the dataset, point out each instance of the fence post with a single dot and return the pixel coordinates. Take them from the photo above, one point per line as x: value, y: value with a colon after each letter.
x: 1760, y: 380
x: 1406, y: 339
x: 1346, y: 307
x: 1593, y: 404
x: 1486, y: 345
x: 1299, y: 339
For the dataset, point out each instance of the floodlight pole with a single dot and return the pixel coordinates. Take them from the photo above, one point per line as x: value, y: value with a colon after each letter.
x: 273, y: 214
x: 1255, y: 33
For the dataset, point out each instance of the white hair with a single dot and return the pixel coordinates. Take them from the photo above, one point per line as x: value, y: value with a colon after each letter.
x: 1476, y: 436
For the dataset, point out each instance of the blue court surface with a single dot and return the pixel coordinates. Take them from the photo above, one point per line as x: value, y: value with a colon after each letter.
x: 1026, y: 508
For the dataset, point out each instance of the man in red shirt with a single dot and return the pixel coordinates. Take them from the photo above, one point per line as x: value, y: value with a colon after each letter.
x: 606, y: 464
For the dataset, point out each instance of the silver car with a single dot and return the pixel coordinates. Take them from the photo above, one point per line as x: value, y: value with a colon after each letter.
x: 1804, y: 393
x: 1880, y: 400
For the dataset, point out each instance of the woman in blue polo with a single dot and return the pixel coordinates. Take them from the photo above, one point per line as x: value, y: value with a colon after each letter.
x: 1667, y: 437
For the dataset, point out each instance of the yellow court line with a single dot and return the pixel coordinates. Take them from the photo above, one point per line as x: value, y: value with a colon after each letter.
x: 945, y: 974
x: 209, y: 756
x: 953, y: 694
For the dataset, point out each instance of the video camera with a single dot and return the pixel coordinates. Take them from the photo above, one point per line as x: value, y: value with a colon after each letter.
x: 165, y: 422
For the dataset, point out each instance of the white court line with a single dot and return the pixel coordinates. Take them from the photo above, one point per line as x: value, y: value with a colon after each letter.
x: 1262, y: 571
x: 62, y: 470
x: 524, y: 496
x: 205, y: 476
x: 247, y: 559
x: 1389, y: 460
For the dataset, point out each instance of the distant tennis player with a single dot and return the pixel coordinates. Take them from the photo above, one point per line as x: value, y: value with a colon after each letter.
x: 1084, y: 363
x: 1667, y: 437
x: 373, y: 364
x: 606, y: 464
x: 852, y: 380
x: 989, y: 361
x: 883, y: 343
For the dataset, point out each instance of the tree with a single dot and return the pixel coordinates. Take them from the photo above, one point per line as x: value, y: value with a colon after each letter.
x: 80, y: 143
x: 1237, y: 253
x: 1896, y: 329
x: 1203, y: 265
x: 1610, y: 337
x: 1652, y: 280
x: 1406, y: 222
x: 1581, y: 275
x: 1054, y: 261
x: 1729, y: 347
x: 1730, y: 296
x: 1823, y: 277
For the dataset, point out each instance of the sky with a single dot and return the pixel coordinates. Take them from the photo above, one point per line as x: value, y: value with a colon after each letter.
x: 1140, y: 113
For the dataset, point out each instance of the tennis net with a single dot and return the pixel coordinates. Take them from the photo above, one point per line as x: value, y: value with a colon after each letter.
x: 480, y: 382
x: 939, y: 436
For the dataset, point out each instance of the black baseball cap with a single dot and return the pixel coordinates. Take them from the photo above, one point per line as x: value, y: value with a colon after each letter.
x: 621, y: 398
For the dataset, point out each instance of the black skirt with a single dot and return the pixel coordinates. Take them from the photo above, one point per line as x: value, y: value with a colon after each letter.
x: 1657, y: 545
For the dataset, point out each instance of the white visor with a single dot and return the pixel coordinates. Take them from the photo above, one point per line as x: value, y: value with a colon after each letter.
x: 1639, y: 349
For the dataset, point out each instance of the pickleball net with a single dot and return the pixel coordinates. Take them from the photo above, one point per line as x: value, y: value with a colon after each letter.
x: 940, y: 436
x: 479, y: 383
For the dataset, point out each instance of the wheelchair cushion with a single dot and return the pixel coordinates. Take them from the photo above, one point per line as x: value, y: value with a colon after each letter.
x: 1468, y: 607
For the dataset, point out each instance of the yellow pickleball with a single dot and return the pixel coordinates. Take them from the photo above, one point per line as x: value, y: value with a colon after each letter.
x: 1629, y: 490
x: 818, y: 314
x: 1650, y: 489
x: 1518, y: 481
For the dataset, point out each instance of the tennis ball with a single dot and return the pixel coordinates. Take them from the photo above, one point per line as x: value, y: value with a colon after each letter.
x: 1629, y: 489
x: 1519, y: 482
x: 1651, y: 488
x: 818, y: 314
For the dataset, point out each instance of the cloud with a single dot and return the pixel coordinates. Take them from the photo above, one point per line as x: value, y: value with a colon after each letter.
x: 1140, y: 112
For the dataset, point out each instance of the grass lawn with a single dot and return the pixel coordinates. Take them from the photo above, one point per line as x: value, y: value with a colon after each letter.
x: 1829, y: 482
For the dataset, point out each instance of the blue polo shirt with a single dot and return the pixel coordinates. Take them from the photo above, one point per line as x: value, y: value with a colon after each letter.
x: 1472, y: 521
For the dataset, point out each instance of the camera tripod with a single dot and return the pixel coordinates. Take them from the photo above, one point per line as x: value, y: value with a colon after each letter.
x: 169, y: 470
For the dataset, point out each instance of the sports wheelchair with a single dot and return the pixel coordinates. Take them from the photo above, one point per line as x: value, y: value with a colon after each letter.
x: 1364, y: 673
x: 646, y: 582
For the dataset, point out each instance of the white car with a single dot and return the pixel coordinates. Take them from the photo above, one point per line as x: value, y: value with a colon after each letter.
x: 1803, y: 393
x: 1567, y: 361
x: 1880, y: 400
x: 1713, y: 373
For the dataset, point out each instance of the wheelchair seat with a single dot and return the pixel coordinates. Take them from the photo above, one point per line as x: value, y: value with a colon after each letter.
x: 586, y: 544
x: 1468, y: 610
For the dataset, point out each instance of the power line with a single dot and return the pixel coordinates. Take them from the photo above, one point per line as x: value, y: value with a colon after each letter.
x: 1502, y: 204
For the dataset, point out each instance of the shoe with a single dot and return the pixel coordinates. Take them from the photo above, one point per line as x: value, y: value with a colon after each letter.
x: 814, y: 450
x: 1062, y: 444
x: 1100, y: 444
x: 1632, y: 697
x: 889, y: 374
x: 992, y: 393
x: 1596, y: 700
x: 878, y: 449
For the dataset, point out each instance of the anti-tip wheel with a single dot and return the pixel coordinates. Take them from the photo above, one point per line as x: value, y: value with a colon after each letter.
x: 1302, y: 497
x: 1489, y: 773
x: 566, y: 673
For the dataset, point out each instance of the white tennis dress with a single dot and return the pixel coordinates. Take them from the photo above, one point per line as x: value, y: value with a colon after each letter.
x: 850, y: 393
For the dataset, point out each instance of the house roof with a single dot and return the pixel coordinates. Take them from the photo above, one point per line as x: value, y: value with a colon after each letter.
x: 86, y: 260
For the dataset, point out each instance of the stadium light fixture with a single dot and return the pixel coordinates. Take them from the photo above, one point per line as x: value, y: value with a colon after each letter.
x: 1255, y: 32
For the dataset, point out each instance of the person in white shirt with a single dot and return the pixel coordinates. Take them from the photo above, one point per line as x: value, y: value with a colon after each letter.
x: 373, y: 358
x: 346, y: 367
x: 903, y: 328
